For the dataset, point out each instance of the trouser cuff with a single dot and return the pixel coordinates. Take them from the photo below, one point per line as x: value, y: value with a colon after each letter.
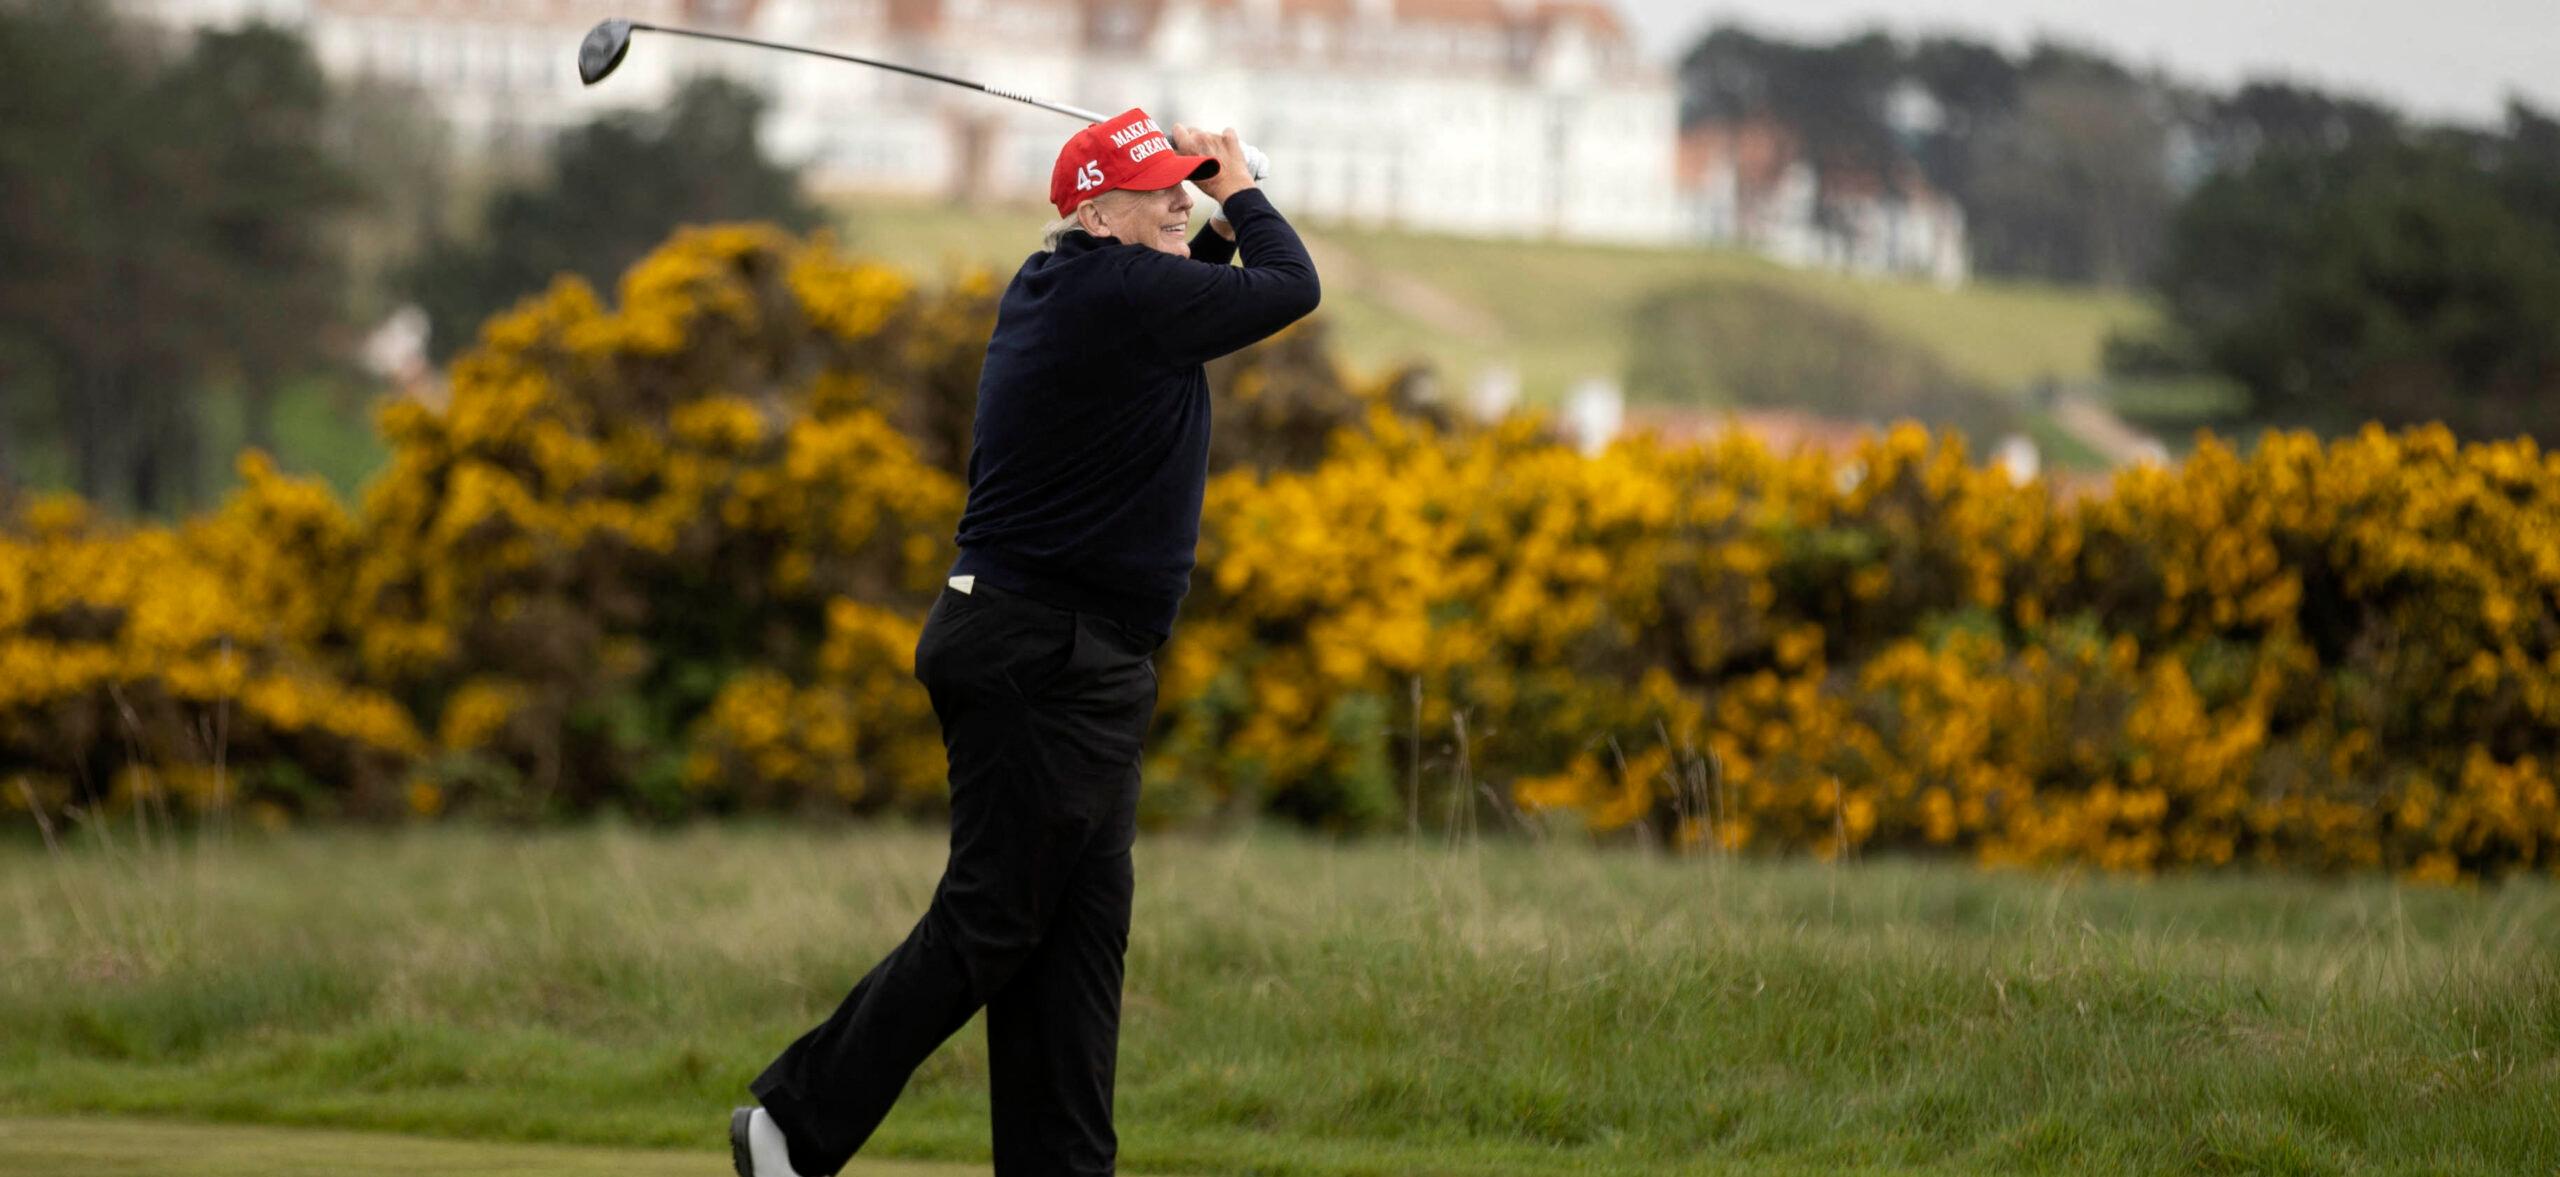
x: 792, y: 1116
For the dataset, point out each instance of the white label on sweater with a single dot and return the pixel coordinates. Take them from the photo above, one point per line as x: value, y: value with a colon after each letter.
x: 966, y: 584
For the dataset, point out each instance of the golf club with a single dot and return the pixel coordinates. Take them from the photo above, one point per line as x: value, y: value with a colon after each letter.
x: 610, y: 41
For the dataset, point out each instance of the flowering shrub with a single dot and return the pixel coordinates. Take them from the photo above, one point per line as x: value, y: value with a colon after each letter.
x: 608, y: 565
x: 186, y: 665
x: 672, y: 557
x: 2339, y: 655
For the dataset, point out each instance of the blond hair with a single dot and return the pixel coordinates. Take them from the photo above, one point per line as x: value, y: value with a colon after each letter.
x: 1057, y: 230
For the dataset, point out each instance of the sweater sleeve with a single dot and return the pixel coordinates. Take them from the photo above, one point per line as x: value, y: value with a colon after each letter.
x: 1196, y: 313
x: 1212, y: 246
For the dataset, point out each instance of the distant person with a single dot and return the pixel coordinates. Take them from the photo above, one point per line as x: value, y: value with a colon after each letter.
x: 1090, y: 456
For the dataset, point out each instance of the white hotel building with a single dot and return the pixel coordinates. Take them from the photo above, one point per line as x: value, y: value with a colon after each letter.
x: 1531, y: 118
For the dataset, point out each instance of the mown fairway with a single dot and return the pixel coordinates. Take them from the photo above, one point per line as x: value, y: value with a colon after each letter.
x: 1302, y: 1008
x: 123, y: 1146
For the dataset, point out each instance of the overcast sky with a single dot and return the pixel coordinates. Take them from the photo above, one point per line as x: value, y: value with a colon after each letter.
x: 2447, y: 59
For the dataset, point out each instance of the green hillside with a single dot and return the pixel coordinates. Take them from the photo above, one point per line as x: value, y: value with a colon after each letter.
x: 1556, y: 313
x: 1553, y: 313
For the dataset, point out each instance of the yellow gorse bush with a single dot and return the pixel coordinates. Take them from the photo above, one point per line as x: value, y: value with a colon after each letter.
x: 186, y: 664
x: 628, y: 557
x: 2338, y: 655
x: 672, y: 556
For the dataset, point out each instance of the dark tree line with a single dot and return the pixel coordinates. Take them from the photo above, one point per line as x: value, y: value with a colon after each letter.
x: 2356, y: 270
x: 2067, y: 163
x: 2331, y: 259
x: 186, y: 217
x: 610, y: 191
x: 165, y: 226
x: 2061, y: 159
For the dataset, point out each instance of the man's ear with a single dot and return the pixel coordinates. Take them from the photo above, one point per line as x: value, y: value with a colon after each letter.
x: 1089, y: 215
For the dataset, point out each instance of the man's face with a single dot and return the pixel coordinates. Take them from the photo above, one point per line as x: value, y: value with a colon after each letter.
x: 1159, y: 218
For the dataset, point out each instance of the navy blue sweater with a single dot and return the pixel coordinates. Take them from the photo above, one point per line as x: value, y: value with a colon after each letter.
x: 1091, y: 449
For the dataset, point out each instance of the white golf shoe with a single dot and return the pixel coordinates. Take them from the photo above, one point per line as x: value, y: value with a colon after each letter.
x: 756, y: 1147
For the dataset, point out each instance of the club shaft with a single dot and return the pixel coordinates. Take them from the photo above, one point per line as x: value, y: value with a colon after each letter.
x: 1042, y: 103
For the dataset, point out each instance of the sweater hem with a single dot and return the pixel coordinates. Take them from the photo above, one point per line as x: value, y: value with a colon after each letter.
x: 1151, y: 617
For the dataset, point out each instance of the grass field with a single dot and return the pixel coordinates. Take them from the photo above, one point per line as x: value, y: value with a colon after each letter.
x: 123, y: 1146
x: 1554, y: 312
x: 1302, y: 1008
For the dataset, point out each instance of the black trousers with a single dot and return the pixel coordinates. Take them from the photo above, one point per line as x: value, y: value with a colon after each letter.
x: 1043, y: 712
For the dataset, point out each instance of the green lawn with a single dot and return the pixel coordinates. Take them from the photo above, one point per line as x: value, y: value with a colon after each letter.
x: 1558, y: 312
x: 1302, y: 1008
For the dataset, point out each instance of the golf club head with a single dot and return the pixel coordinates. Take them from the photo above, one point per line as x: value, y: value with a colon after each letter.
x: 603, y: 49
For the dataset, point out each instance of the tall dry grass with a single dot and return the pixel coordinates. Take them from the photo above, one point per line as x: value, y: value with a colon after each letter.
x: 1295, y: 1006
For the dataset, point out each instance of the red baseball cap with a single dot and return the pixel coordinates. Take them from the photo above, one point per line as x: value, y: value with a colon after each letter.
x: 1129, y: 151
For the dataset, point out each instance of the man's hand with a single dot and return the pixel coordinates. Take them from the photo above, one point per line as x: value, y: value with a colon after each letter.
x: 1228, y: 149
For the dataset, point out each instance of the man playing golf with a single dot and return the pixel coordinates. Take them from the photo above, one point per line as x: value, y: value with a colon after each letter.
x: 1086, y: 472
